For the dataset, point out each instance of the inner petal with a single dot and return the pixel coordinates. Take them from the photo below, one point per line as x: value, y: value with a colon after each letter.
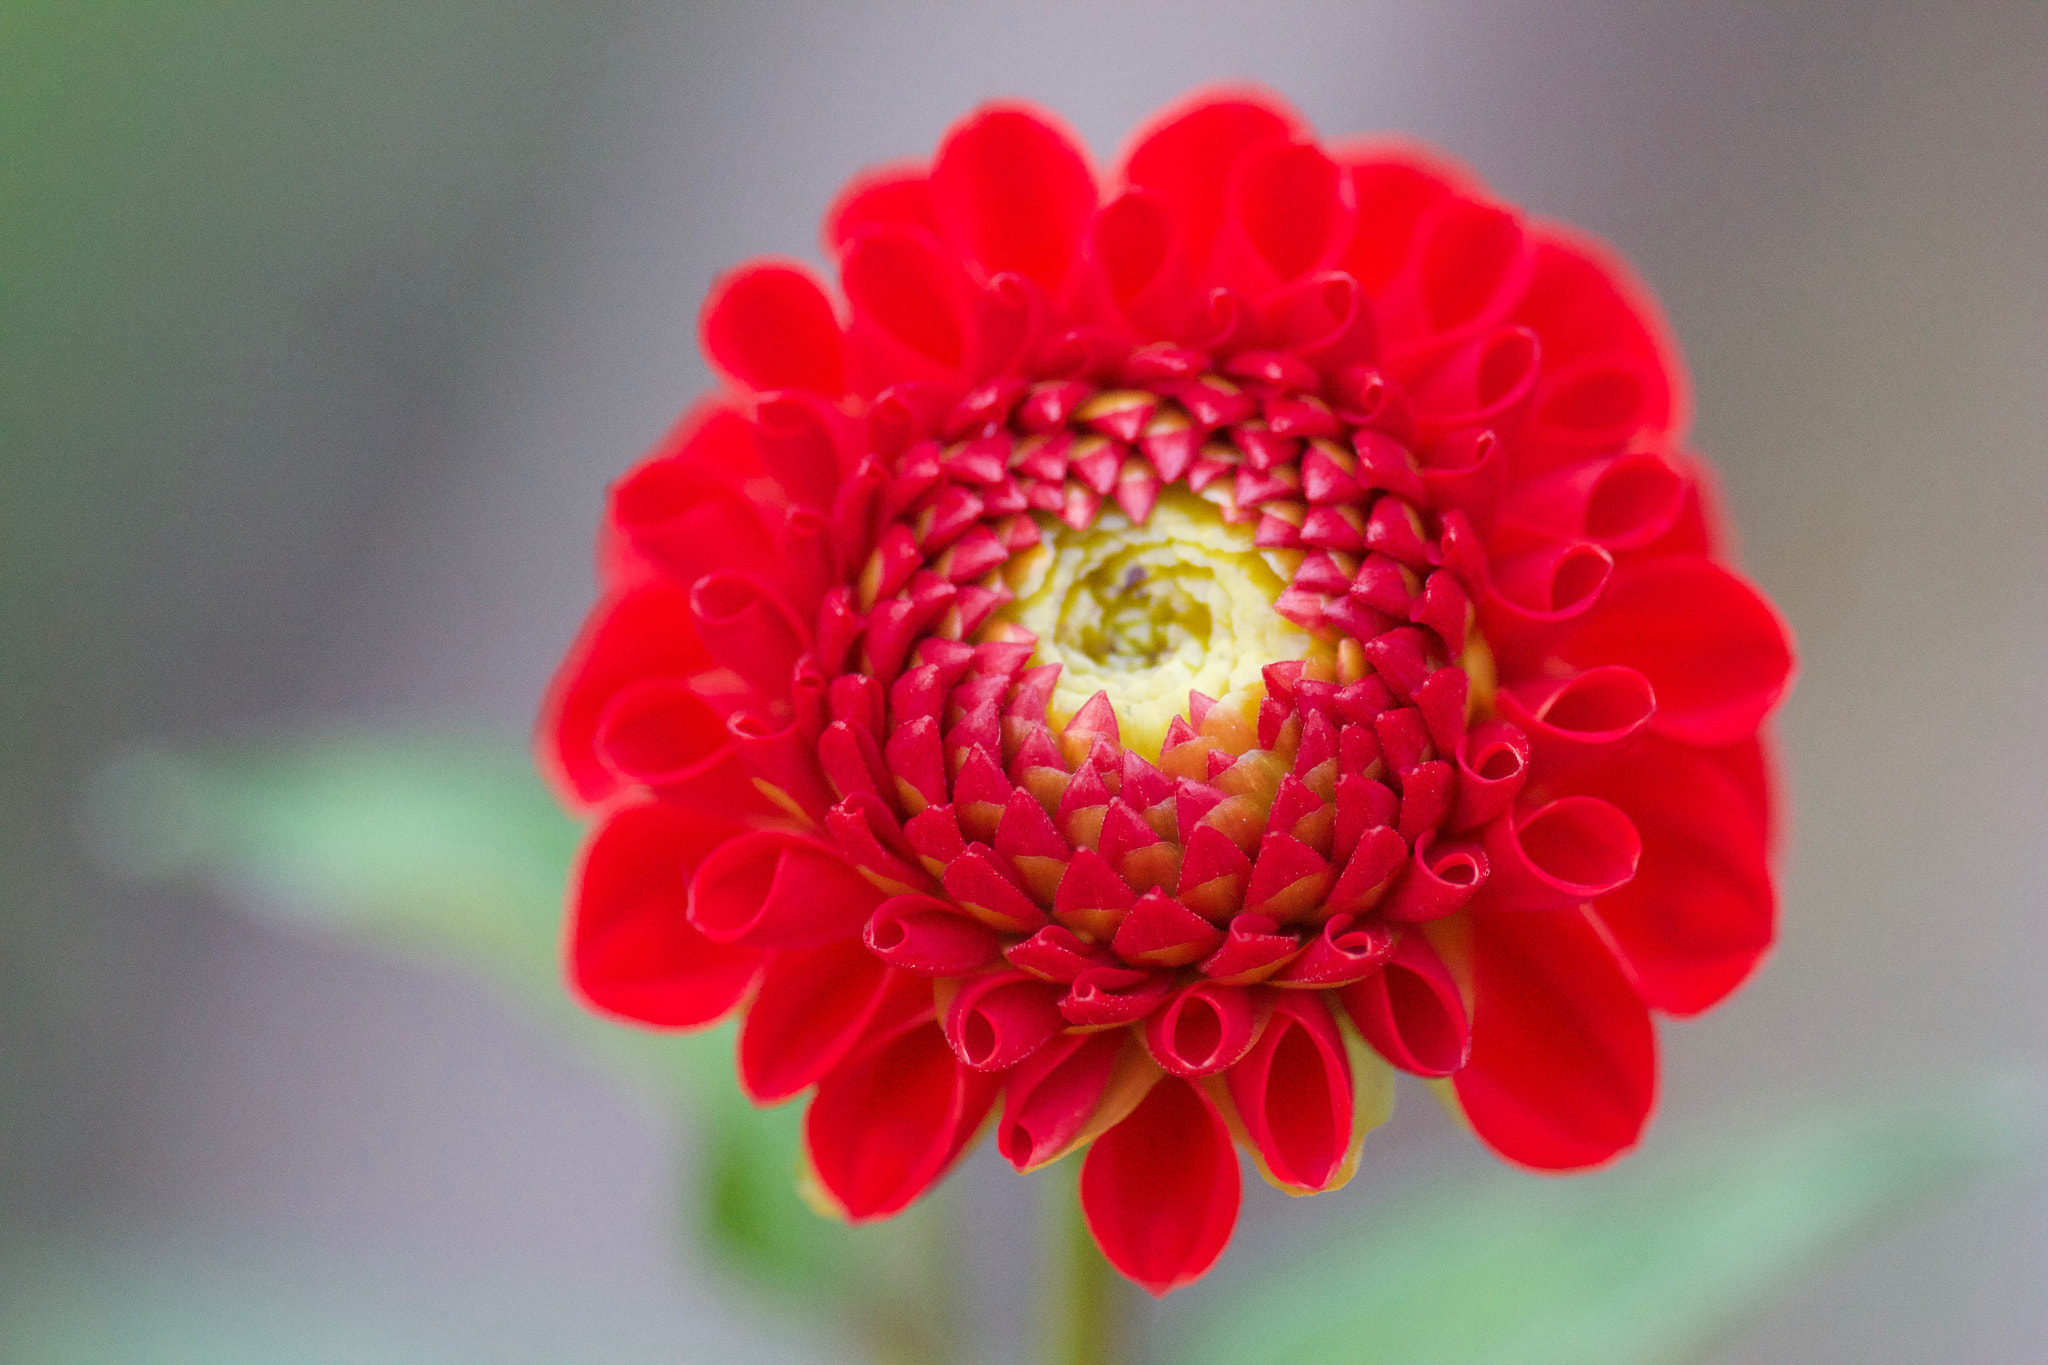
x: 1149, y: 613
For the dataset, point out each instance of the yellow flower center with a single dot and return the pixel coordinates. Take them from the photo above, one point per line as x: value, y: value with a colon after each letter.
x: 1148, y: 613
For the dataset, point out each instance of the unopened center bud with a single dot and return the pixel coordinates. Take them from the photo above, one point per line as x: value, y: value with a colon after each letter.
x: 1149, y: 613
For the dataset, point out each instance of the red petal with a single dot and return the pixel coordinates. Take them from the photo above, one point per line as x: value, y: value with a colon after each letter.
x: 1057, y: 953
x: 898, y: 194
x: 1561, y: 854
x: 770, y: 889
x: 976, y: 881
x: 1000, y: 1018
x: 1255, y: 949
x: 658, y: 730
x: 1013, y: 191
x: 769, y: 325
x: 747, y: 629
x: 1137, y: 265
x: 889, y: 1120
x: 1493, y: 762
x: 1395, y: 184
x: 1701, y: 911
x: 1207, y: 1028
x: 1293, y: 1091
x: 1533, y: 597
x: 1438, y: 880
x: 1563, y: 1070
x: 930, y: 937
x: 685, y: 509
x: 813, y: 1006
x: 1583, y: 300
x: 1619, y: 503
x: 641, y: 632
x: 1487, y: 382
x: 1102, y: 996
x: 1161, y: 932
x: 1186, y: 154
x: 1160, y: 1190
x: 1345, y: 951
x: 632, y: 950
x: 1325, y: 318
x: 1713, y: 648
x: 908, y: 308
x: 1287, y: 211
x: 1411, y: 1012
x: 1469, y: 263
x: 1580, y: 721
x: 802, y: 446
x: 1049, y: 1100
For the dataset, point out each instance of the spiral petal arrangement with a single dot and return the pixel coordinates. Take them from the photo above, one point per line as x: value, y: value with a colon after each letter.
x: 1156, y: 654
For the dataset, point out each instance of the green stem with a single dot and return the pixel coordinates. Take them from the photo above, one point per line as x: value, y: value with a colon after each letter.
x: 1084, y: 1324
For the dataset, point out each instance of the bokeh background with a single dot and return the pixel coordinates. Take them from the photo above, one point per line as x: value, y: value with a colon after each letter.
x: 323, y: 326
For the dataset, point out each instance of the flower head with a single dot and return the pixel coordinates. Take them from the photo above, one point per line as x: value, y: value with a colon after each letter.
x: 1159, y: 653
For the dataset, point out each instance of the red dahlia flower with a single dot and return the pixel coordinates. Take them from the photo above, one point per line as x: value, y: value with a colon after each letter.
x: 1165, y: 652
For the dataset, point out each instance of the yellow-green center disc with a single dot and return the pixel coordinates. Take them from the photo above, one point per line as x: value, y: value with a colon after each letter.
x: 1148, y: 613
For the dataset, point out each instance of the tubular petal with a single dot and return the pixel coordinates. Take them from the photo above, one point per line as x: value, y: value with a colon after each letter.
x: 1395, y: 185
x: 1206, y: 1028
x: 1159, y: 931
x: 1565, y: 853
x: 1576, y: 722
x: 1623, y: 502
x: 1293, y: 1093
x: 1013, y: 192
x: 770, y: 326
x: 1138, y: 265
x: 1411, y: 1011
x: 1485, y: 383
x: 1347, y: 950
x: 909, y: 317
x: 889, y: 1120
x: 1101, y: 997
x: 1187, y: 153
x: 813, y: 1006
x: 800, y: 447
x: 656, y: 730
x: 1070, y: 1092
x: 894, y: 195
x: 780, y: 758
x: 1701, y: 912
x: 1287, y: 211
x: 1493, y: 762
x: 632, y: 952
x: 1582, y: 300
x: 629, y: 636
x: 769, y: 889
x: 1160, y: 1190
x: 1532, y: 596
x: 1000, y: 1018
x: 1715, y: 651
x: 929, y: 937
x: 747, y: 629
x: 1563, y: 1070
x: 1438, y: 880
x: 1469, y: 263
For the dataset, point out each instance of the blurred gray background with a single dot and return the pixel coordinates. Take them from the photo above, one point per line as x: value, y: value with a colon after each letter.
x: 322, y: 328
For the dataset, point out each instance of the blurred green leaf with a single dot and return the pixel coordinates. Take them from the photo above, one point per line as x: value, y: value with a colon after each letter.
x: 1649, y: 1264
x: 454, y: 851
x: 70, y: 1306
